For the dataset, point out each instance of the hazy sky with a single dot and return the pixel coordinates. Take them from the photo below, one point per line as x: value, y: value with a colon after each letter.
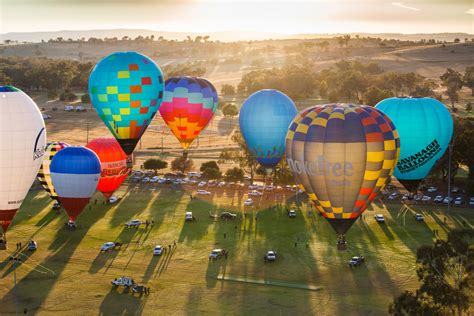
x: 281, y: 16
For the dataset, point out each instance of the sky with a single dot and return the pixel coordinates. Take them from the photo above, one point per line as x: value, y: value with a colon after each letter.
x: 277, y: 16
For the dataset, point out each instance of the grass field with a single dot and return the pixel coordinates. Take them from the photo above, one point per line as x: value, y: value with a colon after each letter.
x: 68, y: 275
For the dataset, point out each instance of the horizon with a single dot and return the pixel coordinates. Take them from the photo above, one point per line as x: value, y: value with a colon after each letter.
x: 207, y: 16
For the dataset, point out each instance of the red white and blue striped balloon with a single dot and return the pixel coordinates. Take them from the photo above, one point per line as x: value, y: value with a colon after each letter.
x: 75, y: 172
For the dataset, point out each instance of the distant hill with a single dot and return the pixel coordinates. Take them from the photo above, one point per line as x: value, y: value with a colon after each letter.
x: 225, y: 36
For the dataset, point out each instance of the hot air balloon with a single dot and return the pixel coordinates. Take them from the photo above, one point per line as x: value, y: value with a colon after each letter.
x: 44, y: 174
x: 22, y: 141
x: 126, y: 90
x: 264, y: 119
x: 188, y: 106
x: 426, y: 128
x: 75, y: 172
x: 342, y: 155
x: 113, y: 162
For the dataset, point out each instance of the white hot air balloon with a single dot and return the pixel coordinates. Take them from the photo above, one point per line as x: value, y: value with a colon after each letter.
x: 22, y: 143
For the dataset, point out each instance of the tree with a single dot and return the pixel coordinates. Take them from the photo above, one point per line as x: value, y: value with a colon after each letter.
x: 374, y: 95
x: 227, y: 90
x: 469, y: 79
x: 241, y: 155
x: 453, y: 82
x: 234, y: 174
x: 323, y: 89
x: 209, y: 165
x: 230, y: 110
x: 155, y: 164
x: 86, y: 98
x: 182, y: 164
x: 211, y: 174
x: 445, y: 271
x: 468, y: 106
x: 333, y: 96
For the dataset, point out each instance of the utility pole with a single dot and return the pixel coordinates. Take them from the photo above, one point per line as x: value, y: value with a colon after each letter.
x: 15, y: 261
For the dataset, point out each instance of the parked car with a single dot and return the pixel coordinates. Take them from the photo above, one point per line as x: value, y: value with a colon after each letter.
x: 113, y: 199
x: 271, y: 255
x: 458, y: 201
x: 68, y: 108
x: 216, y: 253
x: 426, y: 198
x: 158, y: 250
x: 202, y: 184
x: 291, y: 213
x: 80, y: 108
x: 253, y: 187
x: 432, y: 189
x: 221, y: 184
x: 32, y: 245
x: 379, y: 218
x: 228, y: 215
x: 194, y: 174
x: 392, y: 196
x: 269, y: 188
x: 356, y: 261
x: 189, y: 216
x: 154, y: 179
x: 107, y: 246
x: 438, y: 199
x: 146, y: 180
x: 133, y: 223
x: 46, y: 116
x: 123, y: 281
x: 455, y: 190
x: 255, y: 193
x: 419, y: 217
x: 448, y: 200
x: 248, y: 202
x: 203, y: 192
x: 471, y: 201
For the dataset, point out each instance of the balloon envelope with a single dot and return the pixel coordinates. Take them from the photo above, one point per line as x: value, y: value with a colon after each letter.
x: 44, y: 174
x: 264, y: 119
x: 113, y: 162
x: 188, y: 106
x: 342, y: 155
x: 426, y: 128
x: 75, y: 172
x: 22, y: 141
x: 126, y: 90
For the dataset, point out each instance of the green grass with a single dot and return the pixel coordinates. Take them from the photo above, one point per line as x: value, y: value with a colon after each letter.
x: 68, y: 275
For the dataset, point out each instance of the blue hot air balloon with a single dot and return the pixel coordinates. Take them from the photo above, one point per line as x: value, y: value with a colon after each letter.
x: 425, y: 127
x: 264, y: 119
x: 75, y: 172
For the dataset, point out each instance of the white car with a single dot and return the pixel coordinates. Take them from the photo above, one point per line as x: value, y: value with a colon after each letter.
x: 154, y: 179
x: 253, y: 187
x: 46, y: 116
x: 255, y: 193
x: 221, y: 184
x: 146, y: 180
x: 203, y: 192
x: 271, y: 255
x: 432, y: 189
x: 270, y: 188
x: 113, y: 199
x: 134, y: 223
x: 202, y: 184
x: 248, y: 202
x: 392, y: 196
x: 161, y: 180
x: 291, y: 213
x: 107, y: 246
x: 68, y: 108
x: 426, y: 198
x: 438, y: 199
x: 471, y: 201
x: 379, y: 218
x: 158, y: 250
x: 458, y: 201
x: 448, y: 200
x: 189, y: 216
x: 194, y: 174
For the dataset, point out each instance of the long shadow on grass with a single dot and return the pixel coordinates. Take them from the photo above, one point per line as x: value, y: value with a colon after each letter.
x: 118, y: 302
x: 65, y: 244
